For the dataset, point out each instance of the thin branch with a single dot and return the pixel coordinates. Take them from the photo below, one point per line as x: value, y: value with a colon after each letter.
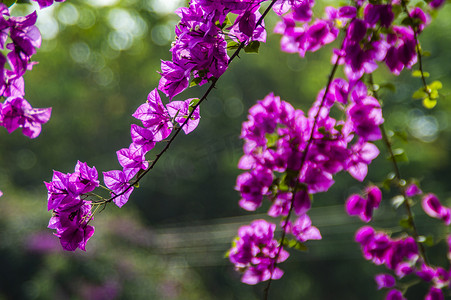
x: 398, y: 178
x: 204, y: 97
x: 303, y: 158
x: 417, y: 49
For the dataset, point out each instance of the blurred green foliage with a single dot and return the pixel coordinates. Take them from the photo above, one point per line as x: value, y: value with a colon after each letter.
x: 98, y: 61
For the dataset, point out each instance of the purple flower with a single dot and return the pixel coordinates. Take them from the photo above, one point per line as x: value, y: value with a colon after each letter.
x: 303, y: 230
x: 374, y: 245
x: 402, y: 50
x: 143, y: 138
x: 86, y: 176
x: 436, y: 3
x: 72, y: 226
x: 363, y: 207
x: 364, y: 114
x: 174, y: 79
x: 154, y: 117
x: 420, y: 17
x: 413, y: 190
x: 244, y: 27
x: 434, y: 294
x: 4, y: 25
x: 132, y: 160
x: 17, y: 112
x: 180, y: 110
x: 46, y: 3
x: 384, y: 281
x: 362, y: 154
x: 25, y: 39
x: 394, y: 295
x: 64, y: 190
x: 281, y: 205
x: 316, y: 179
x: 253, y: 186
x: 432, y: 207
x: 381, y: 13
x: 118, y: 183
x: 426, y: 273
x: 63, y: 193
x: 254, y: 252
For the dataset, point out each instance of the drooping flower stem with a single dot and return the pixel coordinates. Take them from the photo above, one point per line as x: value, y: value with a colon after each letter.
x: 400, y: 183
x: 213, y: 82
x: 418, y: 49
x: 296, y: 187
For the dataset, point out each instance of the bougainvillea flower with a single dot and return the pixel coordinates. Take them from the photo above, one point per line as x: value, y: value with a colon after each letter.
x: 132, y: 159
x: 142, y: 137
x: 394, y: 295
x: 46, y: 3
x: 154, y: 116
x: 362, y: 154
x: 180, y: 110
x: 413, y: 190
x: 303, y: 230
x: 62, y: 193
x: 174, y: 79
x: 432, y: 206
x: 17, y: 112
x: 72, y: 226
x: 384, y: 281
x: 118, y: 183
x: 86, y: 176
x: 357, y: 205
x: 254, y: 252
x: 434, y: 294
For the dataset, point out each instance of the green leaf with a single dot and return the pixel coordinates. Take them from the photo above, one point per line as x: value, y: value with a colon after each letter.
x: 386, y: 184
x: 429, y: 103
x: 252, y: 47
x: 339, y: 127
x: 388, y: 86
x: 417, y: 73
x: 282, y: 185
x: 405, y: 223
x: 426, y: 53
x: 402, y: 135
x: 429, y: 241
x: 194, y: 102
x: 232, y: 45
x: 400, y: 155
x: 195, y: 81
x: 8, y: 3
x: 436, y: 85
x: 294, y: 244
x: 271, y: 139
x: 419, y: 94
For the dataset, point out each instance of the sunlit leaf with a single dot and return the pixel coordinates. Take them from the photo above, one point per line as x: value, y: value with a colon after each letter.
x: 429, y: 103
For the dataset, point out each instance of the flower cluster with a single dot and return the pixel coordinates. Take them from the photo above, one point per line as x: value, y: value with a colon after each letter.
x: 363, y: 207
x: 200, y: 48
x: 71, y: 213
x: 24, y: 36
x: 157, y: 121
x: 255, y: 251
x: 400, y: 255
x: 371, y: 37
x: 290, y: 155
